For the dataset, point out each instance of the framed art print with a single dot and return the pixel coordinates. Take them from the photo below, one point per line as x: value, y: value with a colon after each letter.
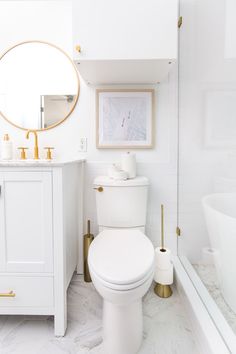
x: 124, y: 118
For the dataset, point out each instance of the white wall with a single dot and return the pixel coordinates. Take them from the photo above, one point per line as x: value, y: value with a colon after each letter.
x: 158, y: 164
x: 37, y: 19
x: 207, y: 111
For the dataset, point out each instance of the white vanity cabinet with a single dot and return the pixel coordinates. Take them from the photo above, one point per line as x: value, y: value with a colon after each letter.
x: 126, y: 41
x: 39, y: 226
x: 26, y: 225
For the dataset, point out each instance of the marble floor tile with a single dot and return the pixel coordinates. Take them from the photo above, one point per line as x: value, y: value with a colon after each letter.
x: 208, y: 275
x: 166, y: 327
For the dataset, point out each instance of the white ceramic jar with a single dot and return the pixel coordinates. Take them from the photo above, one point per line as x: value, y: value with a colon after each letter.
x: 7, y: 149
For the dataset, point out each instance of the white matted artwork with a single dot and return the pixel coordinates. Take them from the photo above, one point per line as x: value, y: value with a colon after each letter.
x: 125, y: 118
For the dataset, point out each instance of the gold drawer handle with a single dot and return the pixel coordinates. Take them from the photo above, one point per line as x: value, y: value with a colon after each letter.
x: 10, y: 294
x: 99, y: 189
x: 78, y: 48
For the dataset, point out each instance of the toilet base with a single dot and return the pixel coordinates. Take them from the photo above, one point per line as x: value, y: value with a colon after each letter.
x: 122, y: 327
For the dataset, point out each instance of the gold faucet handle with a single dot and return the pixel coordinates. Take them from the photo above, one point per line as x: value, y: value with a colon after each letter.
x: 49, y: 152
x: 22, y: 153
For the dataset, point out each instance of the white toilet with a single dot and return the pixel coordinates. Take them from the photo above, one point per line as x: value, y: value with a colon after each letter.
x: 121, y: 261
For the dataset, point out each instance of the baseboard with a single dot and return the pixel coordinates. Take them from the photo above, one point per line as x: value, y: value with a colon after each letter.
x: 208, y: 338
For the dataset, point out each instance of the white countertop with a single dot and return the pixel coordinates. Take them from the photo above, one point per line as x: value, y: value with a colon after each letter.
x: 38, y: 163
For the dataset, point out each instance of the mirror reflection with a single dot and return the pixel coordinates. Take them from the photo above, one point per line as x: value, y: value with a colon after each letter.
x: 39, y: 85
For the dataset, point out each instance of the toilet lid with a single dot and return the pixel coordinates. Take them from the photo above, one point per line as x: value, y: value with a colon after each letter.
x: 121, y: 256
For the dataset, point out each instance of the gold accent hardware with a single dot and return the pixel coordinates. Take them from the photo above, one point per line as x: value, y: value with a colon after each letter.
x: 49, y: 152
x: 77, y: 77
x: 178, y: 231
x: 88, y: 239
x: 180, y: 21
x: 78, y: 48
x: 10, y: 294
x: 99, y: 189
x: 6, y: 137
x: 22, y: 153
x: 36, y: 148
x: 163, y: 291
x: 162, y: 227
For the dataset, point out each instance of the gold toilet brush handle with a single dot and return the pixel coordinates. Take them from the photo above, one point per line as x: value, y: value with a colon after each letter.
x: 88, y: 226
x: 88, y: 239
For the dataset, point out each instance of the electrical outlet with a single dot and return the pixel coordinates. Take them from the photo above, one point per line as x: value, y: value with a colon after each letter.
x: 82, y: 144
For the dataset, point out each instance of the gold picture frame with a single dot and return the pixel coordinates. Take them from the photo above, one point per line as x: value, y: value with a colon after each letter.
x: 125, y: 118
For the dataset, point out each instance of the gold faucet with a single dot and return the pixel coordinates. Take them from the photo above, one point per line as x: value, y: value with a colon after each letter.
x: 36, y: 148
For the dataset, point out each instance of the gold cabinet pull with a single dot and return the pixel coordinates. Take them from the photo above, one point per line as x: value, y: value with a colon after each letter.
x: 78, y: 48
x: 99, y: 189
x: 10, y: 294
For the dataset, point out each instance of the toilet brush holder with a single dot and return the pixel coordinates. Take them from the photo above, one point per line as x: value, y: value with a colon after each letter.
x: 88, y: 239
x: 163, y: 291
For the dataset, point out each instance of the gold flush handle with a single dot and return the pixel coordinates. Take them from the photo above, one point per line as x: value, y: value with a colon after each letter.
x: 23, y: 153
x: 78, y: 48
x: 49, y: 152
x: 10, y: 294
x: 99, y: 189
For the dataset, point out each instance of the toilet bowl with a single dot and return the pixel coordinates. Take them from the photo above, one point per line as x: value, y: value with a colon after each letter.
x: 121, y: 263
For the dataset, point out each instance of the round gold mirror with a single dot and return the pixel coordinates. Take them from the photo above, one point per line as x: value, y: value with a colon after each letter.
x: 39, y: 85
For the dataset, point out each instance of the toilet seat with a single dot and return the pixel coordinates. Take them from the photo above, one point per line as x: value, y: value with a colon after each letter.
x: 122, y: 259
x: 124, y: 287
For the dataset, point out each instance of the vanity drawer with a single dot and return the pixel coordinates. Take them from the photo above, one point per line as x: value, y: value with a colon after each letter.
x: 26, y: 291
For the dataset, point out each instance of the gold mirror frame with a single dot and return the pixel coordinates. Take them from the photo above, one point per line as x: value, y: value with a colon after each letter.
x: 77, y: 75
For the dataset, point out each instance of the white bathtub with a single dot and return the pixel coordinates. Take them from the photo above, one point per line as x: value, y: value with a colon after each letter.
x: 220, y: 215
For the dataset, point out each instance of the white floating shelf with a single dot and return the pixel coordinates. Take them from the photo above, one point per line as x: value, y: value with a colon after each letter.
x: 147, y: 71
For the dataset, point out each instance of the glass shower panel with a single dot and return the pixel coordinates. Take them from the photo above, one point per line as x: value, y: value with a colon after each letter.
x: 207, y: 146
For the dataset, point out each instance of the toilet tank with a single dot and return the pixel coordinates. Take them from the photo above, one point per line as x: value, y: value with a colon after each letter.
x: 121, y: 203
